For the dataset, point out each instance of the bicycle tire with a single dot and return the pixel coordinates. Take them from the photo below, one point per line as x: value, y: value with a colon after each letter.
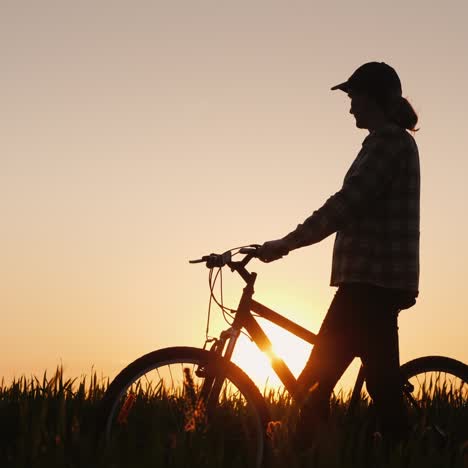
x: 255, y: 418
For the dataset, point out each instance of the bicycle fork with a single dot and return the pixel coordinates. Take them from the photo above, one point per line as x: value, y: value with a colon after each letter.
x: 212, y: 373
x: 213, y: 376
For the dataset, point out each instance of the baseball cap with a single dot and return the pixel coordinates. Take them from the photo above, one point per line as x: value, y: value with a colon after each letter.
x: 374, y: 78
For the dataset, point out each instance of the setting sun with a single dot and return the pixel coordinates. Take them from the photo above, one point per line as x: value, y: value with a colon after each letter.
x: 288, y: 347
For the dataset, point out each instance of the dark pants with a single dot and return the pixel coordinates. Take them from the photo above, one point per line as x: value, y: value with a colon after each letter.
x: 361, y: 321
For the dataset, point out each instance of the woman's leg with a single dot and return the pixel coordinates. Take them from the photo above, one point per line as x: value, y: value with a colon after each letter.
x: 330, y: 357
x: 380, y: 356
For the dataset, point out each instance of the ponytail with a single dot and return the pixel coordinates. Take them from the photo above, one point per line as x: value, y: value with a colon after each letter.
x: 399, y: 110
x: 404, y: 115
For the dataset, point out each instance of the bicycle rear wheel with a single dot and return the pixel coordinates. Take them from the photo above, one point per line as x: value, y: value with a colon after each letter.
x: 436, y: 388
x: 184, y: 407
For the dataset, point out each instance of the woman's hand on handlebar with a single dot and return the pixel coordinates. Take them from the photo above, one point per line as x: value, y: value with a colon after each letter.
x: 272, y: 250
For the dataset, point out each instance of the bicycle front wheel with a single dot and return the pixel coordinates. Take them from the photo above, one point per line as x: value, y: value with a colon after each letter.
x: 184, y: 407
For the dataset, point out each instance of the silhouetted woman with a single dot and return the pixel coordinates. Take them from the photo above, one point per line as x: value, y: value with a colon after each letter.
x: 375, y: 257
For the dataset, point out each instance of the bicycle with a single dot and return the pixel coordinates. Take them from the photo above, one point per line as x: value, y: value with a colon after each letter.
x: 192, y: 407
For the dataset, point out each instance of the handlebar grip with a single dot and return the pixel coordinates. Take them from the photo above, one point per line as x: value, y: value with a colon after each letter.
x: 200, y: 260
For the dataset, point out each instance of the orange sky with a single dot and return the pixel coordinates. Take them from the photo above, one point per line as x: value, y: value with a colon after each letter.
x: 137, y: 135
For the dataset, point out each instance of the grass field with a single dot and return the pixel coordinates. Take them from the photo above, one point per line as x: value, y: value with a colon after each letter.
x: 50, y: 422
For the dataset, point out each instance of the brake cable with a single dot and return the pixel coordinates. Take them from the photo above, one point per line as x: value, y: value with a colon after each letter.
x: 225, y: 310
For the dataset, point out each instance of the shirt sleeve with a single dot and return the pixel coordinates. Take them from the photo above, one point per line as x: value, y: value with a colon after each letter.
x: 369, y: 176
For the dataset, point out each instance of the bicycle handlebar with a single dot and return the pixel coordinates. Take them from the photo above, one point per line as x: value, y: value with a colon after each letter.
x: 214, y: 260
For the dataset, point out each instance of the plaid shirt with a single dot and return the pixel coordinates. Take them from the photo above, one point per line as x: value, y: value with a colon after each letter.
x: 375, y: 215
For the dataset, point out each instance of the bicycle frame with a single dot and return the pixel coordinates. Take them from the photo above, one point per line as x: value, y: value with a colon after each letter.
x: 245, y: 320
